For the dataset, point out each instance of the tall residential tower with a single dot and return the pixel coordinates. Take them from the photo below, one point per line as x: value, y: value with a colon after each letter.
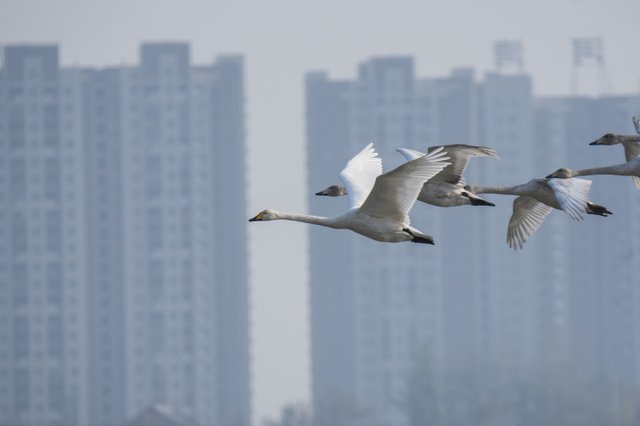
x: 124, y: 271
x: 388, y: 320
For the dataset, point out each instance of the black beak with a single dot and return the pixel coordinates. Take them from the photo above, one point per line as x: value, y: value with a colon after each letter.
x: 550, y: 176
x: 596, y: 142
x: 323, y: 192
x: 254, y: 219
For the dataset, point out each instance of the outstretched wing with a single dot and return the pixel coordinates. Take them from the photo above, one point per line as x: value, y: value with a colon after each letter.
x: 410, y: 154
x: 572, y: 195
x: 395, y: 192
x: 528, y: 215
x: 459, y: 156
x: 360, y: 173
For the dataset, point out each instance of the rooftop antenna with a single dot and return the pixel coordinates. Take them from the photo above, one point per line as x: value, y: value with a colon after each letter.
x: 588, y: 54
x: 508, y: 56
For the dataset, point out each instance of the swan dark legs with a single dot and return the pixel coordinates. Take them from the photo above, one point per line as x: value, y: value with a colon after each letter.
x: 597, y: 210
x: 423, y: 238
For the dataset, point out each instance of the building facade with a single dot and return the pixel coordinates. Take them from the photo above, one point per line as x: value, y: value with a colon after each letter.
x: 44, y: 343
x: 469, y: 308
x: 125, y: 170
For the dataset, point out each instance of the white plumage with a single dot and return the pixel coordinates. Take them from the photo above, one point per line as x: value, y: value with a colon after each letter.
x: 379, y: 203
x: 535, y: 200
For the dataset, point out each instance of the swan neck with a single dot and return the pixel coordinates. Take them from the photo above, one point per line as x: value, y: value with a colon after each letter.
x: 501, y: 190
x: 306, y: 218
x: 608, y: 170
x: 631, y: 138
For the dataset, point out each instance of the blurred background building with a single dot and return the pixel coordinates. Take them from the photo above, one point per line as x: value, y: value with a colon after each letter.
x: 123, y: 282
x: 402, y: 333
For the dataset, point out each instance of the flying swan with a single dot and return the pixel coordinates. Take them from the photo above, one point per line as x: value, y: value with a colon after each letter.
x: 447, y: 188
x: 535, y: 200
x: 631, y: 144
x: 379, y: 203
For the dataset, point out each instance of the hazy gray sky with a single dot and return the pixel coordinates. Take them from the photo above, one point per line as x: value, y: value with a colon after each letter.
x: 283, y: 39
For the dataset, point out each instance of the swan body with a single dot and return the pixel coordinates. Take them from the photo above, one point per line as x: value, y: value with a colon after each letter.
x: 379, y: 203
x: 377, y: 228
x: 535, y: 200
x: 447, y: 188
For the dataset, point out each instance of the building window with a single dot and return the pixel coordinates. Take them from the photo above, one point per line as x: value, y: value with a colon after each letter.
x: 52, y: 178
x: 159, y: 384
x: 157, y: 332
x: 154, y: 176
x: 20, y: 285
x: 54, y: 284
x: 156, y: 281
x: 154, y: 229
x: 21, y: 392
x: 54, y: 336
x: 53, y: 234
x: 56, y: 392
x: 18, y: 233
x: 20, y: 338
x: 18, y: 179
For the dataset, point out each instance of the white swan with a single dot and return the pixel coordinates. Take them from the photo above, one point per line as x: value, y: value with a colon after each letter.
x: 631, y: 144
x: 379, y: 203
x: 535, y: 200
x: 446, y: 189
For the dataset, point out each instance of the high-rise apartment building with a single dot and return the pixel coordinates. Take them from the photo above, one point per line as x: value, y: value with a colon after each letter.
x: 121, y: 254
x: 44, y: 343
x: 372, y: 313
x: 469, y: 304
x: 602, y: 313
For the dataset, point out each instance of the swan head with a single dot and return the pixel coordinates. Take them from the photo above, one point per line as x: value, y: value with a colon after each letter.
x: 562, y: 173
x: 265, y: 215
x: 470, y: 188
x: 333, y: 191
x: 607, y: 139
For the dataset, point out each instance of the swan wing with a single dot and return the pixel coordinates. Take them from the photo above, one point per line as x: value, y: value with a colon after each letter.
x: 459, y: 156
x: 528, y: 215
x: 572, y: 194
x: 410, y: 154
x: 395, y: 192
x: 360, y: 173
x: 632, y: 150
